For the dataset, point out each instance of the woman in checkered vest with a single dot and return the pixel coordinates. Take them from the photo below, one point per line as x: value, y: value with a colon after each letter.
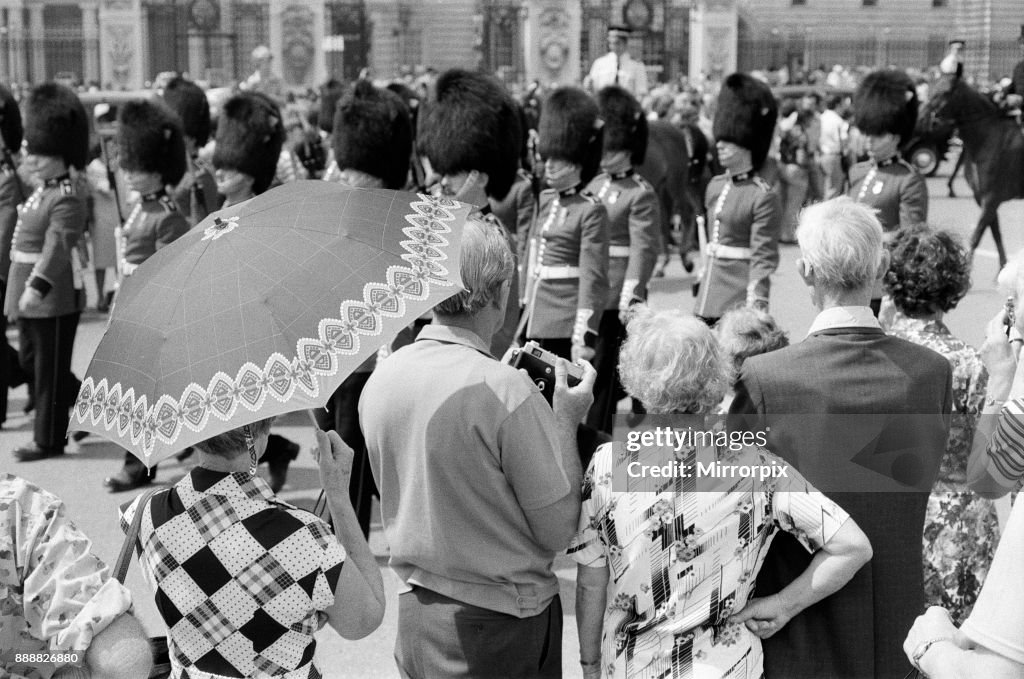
x: 243, y: 580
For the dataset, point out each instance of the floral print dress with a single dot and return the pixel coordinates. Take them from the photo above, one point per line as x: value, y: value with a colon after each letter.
x: 961, y: 529
x: 685, y: 558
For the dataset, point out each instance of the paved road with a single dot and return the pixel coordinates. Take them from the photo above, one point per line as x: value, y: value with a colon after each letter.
x: 78, y: 477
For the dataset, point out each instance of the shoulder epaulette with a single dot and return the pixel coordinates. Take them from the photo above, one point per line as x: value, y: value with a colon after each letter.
x: 168, y: 203
x: 589, y: 197
x: 642, y: 181
x: 762, y: 183
x: 522, y: 174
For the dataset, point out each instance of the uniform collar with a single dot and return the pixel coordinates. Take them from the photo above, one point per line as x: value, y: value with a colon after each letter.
x: 888, y: 161
x: 625, y: 174
x: 56, y: 181
x: 741, y: 176
x: 155, y: 196
x: 571, y: 191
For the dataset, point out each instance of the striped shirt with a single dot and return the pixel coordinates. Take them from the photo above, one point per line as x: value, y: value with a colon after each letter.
x: 1006, y: 448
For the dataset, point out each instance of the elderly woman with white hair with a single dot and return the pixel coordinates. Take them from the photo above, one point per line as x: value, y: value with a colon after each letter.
x: 684, y: 554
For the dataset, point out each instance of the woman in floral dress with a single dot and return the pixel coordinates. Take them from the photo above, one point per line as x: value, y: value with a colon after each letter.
x: 929, y: 273
x: 684, y: 552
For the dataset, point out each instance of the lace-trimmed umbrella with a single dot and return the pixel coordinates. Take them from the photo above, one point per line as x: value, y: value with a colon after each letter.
x: 263, y: 309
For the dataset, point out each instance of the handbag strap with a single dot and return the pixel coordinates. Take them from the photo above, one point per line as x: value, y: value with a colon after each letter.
x: 125, y: 557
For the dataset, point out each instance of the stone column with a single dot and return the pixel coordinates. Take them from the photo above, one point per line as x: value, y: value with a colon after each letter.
x: 713, y: 39
x: 296, y: 41
x: 121, y: 57
x: 17, y: 57
x: 551, y: 41
x: 91, y: 38
x: 37, y: 33
x: 385, y: 31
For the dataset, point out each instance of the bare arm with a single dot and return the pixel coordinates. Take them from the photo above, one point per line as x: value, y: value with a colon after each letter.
x: 832, y: 567
x: 359, y: 598
x: 946, y: 660
x: 591, y: 599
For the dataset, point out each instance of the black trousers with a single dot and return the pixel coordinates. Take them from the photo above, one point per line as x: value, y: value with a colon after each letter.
x: 608, y: 389
x: 343, y: 417
x: 441, y: 637
x: 44, y: 352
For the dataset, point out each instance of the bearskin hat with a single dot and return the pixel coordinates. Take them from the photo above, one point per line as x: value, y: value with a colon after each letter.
x: 150, y: 139
x: 330, y: 93
x: 249, y: 138
x: 472, y: 123
x: 746, y: 115
x: 886, y: 103
x: 373, y: 134
x: 625, y: 125
x: 56, y: 124
x: 10, y: 121
x: 188, y: 100
x: 570, y: 129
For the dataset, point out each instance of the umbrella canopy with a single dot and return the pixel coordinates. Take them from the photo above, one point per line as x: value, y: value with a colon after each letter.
x: 265, y: 308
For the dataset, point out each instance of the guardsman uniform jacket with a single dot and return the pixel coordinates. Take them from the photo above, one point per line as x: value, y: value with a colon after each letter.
x: 894, y: 188
x: 567, y: 267
x: 154, y: 222
x: 12, y: 194
x: 743, y: 220
x: 45, y: 254
x: 634, y: 234
x: 196, y: 194
x: 515, y: 210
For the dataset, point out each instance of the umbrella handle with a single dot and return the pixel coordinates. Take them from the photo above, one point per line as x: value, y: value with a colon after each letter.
x: 312, y: 419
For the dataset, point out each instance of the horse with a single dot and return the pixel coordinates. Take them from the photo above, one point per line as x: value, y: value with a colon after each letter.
x: 666, y: 167
x: 994, y: 150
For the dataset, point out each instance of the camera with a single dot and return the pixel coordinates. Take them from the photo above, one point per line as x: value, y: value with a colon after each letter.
x: 539, y: 364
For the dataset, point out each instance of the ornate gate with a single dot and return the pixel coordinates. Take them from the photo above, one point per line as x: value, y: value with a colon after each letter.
x: 502, y: 39
x: 661, y: 34
x: 346, y: 19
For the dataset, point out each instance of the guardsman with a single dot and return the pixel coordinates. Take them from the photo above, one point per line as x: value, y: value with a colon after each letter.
x: 470, y: 131
x: 45, y: 290
x: 250, y: 135
x: 196, y: 194
x: 743, y: 212
x: 12, y: 194
x: 372, y: 133
x: 151, y: 152
x: 567, y: 261
x: 885, y: 111
x: 634, y: 238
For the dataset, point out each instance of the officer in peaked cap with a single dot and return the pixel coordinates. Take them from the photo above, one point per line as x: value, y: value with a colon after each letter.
x: 371, y: 132
x: 196, y: 194
x: 152, y: 155
x: 633, y: 242
x: 567, y: 261
x: 885, y: 111
x: 617, y: 67
x: 45, y: 290
x: 743, y: 212
x: 12, y: 194
x: 470, y: 132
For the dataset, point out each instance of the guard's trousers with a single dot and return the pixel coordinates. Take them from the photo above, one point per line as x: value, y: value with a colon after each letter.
x: 44, y: 352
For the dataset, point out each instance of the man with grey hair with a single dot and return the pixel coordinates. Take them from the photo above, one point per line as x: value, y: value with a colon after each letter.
x: 864, y: 417
x: 479, y: 484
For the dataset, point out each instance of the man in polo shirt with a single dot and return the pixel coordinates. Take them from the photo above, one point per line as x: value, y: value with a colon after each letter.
x: 479, y: 483
x: 617, y: 67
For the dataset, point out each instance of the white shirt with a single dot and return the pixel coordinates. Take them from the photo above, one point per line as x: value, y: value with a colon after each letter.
x: 844, y: 317
x: 833, y: 132
x: 997, y: 620
x: 623, y: 71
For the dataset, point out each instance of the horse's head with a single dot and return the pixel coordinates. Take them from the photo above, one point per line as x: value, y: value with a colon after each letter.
x: 951, y: 99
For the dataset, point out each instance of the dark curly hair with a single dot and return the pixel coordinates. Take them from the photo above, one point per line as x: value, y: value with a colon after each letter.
x: 929, y: 270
